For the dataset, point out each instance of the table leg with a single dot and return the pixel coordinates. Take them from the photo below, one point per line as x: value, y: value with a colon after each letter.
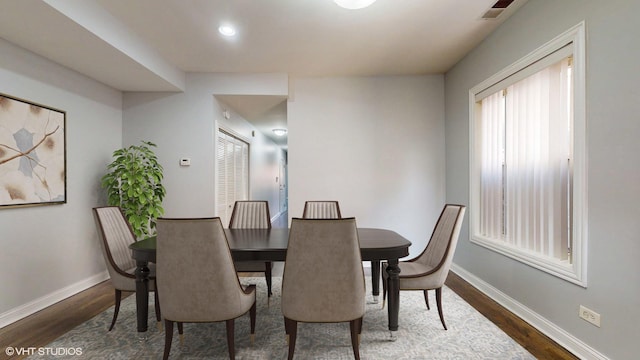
x: 375, y: 280
x: 393, y: 293
x: 142, y: 294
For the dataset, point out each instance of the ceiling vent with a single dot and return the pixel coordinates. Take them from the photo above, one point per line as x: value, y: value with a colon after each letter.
x: 497, y: 9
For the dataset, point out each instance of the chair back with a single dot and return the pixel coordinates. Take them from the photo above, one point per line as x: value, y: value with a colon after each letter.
x: 321, y: 210
x: 439, y: 252
x: 188, y: 252
x: 250, y: 215
x: 323, y: 279
x: 115, y: 236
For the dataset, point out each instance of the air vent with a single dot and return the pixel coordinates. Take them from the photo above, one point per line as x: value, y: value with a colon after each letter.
x: 497, y: 9
x: 502, y: 4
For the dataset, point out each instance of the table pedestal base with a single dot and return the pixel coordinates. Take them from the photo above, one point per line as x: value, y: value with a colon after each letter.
x: 393, y: 293
x: 142, y: 295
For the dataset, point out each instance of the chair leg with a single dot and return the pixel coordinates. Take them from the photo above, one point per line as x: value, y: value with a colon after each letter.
x: 439, y: 303
x: 375, y: 280
x: 181, y: 333
x: 356, y: 329
x: 426, y: 299
x: 252, y: 319
x: 231, y: 338
x: 168, y: 337
x: 384, y: 289
x: 291, y: 328
x: 286, y: 330
x: 157, y: 308
x: 267, y: 275
x: 157, y: 305
x: 118, y: 296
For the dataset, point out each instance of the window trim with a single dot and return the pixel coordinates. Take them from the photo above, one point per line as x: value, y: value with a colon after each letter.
x: 577, y: 271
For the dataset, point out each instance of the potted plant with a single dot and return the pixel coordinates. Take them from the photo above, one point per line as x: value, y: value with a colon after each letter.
x: 134, y: 182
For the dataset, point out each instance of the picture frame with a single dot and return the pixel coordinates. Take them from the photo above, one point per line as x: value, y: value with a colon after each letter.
x: 33, y: 156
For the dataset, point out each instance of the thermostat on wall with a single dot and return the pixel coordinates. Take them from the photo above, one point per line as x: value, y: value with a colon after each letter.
x: 185, y: 161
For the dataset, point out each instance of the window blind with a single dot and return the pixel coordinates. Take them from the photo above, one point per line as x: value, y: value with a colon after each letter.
x: 233, y: 174
x: 554, y: 57
x: 525, y: 162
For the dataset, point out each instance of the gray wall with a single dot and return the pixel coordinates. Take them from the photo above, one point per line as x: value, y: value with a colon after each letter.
x: 376, y: 144
x: 51, y: 252
x: 185, y: 125
x: 613, y: 129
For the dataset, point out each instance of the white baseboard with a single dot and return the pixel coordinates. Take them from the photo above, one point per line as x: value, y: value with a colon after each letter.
x: 36, y: 305
x: 557, y: 334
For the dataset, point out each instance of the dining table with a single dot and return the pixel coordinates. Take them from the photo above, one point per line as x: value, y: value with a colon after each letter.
x: 376, y: 245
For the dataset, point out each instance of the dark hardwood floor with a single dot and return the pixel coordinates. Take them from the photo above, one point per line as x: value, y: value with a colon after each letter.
x: 538, y: 344
x: 43, y: 327
x: 46, y: 325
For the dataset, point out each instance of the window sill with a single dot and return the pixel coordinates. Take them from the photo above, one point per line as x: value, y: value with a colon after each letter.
x: 561, y: 269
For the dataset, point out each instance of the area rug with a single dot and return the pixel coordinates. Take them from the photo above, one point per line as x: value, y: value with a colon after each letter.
x: 421, y: 335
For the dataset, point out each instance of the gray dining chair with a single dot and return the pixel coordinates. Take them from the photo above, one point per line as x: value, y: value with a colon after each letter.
x: 116, y: 235
x: 252, y: 215
x: 330, y: 209
x: 429, y: 270
x: 323, y: 257
x: 321, y: 210
x: 188, y: 252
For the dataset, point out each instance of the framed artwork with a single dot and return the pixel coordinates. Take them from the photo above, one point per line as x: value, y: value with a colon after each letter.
x: 33, y: 167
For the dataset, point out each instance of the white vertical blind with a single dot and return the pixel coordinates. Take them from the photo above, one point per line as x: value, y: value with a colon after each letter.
x: 233, y: 173
x: 492, y: 166
x: 554, y: 57
x: 525, y: 162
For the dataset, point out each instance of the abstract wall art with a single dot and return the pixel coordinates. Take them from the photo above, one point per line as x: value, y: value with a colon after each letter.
x: 32, y: 154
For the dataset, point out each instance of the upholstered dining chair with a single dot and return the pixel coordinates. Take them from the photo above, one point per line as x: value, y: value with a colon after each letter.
x: 188, y: 251
x: 252, y: 215
x: 323, y: 257
x: 331, y: 210
x: 116, y: 235
x: 429, y: 270
x: 321, y: 210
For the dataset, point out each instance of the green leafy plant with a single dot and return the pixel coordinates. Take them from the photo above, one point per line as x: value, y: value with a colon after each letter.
x: 134, y: 182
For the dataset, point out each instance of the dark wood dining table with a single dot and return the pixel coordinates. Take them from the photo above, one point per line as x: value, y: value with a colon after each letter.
x: 271, y: 245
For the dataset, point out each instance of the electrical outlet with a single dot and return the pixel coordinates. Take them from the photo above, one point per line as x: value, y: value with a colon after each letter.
x: 589, y: 315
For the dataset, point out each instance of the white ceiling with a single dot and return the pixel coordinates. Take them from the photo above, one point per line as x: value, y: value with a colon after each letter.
x: 149, y: 45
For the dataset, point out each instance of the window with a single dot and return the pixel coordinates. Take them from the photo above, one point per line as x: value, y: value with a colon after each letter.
x: 528, y: 193
x: 233, y: 173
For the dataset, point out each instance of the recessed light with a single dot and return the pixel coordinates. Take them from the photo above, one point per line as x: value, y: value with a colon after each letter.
x: 280, y: 132
x: 227, y: 30
x: 354, y: 4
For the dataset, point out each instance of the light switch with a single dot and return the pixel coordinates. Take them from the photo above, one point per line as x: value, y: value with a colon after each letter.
x: 185, y: 161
